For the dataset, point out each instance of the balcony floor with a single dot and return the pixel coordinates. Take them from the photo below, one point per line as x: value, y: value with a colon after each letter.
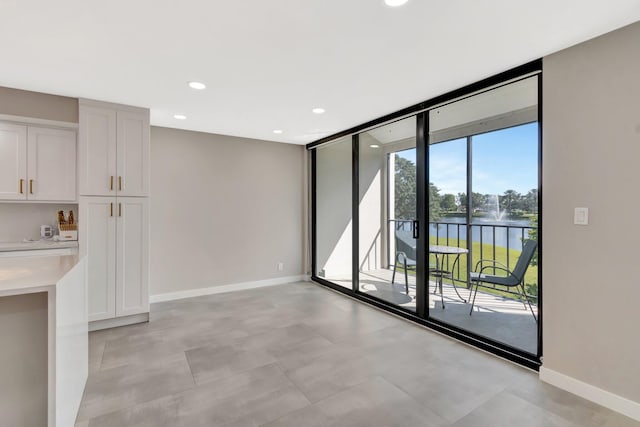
x: 502, y: 319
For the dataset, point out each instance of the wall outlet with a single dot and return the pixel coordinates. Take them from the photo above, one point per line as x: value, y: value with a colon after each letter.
x: 581, y: 216
x: 280, y: 266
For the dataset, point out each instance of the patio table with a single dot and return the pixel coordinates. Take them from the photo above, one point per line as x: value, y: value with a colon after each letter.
x: 442, y: 252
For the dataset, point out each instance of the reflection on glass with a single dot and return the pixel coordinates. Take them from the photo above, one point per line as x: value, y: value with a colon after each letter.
x: 495, y: 209
x: 387, y: 203
x: 333, y: 212
x: 447, y: 221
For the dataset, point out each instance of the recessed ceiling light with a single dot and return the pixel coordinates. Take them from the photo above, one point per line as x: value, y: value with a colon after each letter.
x: 395, y: 3
x: 277, y: 131
x: 374, y: 146
x: 318, y: 110
x: 197, y: 85
x: 179, y: 116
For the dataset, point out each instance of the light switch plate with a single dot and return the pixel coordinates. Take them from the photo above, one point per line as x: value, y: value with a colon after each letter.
x: 581, y: 216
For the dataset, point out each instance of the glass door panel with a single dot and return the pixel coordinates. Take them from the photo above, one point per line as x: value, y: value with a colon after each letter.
x: 333, y: 212
x: 505, y: 178
x: 483, y: 208
x: 447, y: 227
x: 387, y: 263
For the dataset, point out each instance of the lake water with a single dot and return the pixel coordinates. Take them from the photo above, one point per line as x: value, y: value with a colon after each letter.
x: 491, y: 231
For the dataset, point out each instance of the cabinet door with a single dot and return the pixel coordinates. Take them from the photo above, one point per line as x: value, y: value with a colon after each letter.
x: 51, y: 155
x: 97, y: 149
x: 133, y: 153
x: 97, y: 222
x: 13, y: 162
x: 132, y: 284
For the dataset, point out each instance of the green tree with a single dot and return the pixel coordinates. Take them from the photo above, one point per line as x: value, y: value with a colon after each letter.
x: 532, y: 288
x: 405, y: 188
x: 533, y: 235
x: 448, y: 203
x: 530, y: 201
x: 510, y: 200
x: 478, y: 201
x: 435, y: 203
x: 462, y: 202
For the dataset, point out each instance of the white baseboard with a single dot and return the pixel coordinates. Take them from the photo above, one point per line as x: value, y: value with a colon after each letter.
x: 116, y: 322
x: 225, y: 288
x: 587, y: 391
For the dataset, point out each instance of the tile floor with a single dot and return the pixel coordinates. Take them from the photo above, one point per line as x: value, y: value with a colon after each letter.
x: 302, y: 355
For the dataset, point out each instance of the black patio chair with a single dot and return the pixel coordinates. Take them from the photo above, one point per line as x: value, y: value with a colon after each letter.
x: 512, y: 279
x: 405, y: 255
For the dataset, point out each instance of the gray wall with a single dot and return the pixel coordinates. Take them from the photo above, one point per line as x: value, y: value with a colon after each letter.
x: 23, y: 360
x: 223, y: 210
x: 38, y: 105
x: 591, y: 151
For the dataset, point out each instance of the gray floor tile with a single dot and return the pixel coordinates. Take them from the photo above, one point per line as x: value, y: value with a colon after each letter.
x: 568, y: 406
x: 507, y: 410
x: 213, y: 363
x: 375, y: 402
x: 112, y: 389
x: 249, y: 398
x: 300, y: 355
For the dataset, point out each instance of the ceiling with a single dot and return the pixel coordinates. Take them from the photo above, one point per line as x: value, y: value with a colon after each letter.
x: 267, y: 64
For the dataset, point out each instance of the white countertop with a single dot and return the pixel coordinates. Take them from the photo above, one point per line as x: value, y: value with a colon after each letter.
x: 36, y: 245
x: 22, y: 275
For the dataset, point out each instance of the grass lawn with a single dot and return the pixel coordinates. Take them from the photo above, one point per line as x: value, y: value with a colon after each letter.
x: 460, y: 272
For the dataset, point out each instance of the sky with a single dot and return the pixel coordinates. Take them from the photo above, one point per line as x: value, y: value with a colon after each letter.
x: 502, y: 160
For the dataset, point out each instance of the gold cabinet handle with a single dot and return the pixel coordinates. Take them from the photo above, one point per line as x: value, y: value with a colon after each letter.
x: 30, y: 186
x: 119, y: 183
x: 111, y: 183
x: 111, y: 209
x: 119, y: 209
x: 21, y: 182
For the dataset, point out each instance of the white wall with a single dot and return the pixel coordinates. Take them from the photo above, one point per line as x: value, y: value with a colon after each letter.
x: 334, y: 220
x: 223, y: 210
x: 23, y: 220
x: 372, y: 204
x: 591, y: 130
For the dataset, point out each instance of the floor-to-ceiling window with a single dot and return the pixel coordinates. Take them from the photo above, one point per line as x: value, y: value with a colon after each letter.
x: 387, y: 211
x: 435, y: 215
x: 334, y: 221
x: 483, y: 179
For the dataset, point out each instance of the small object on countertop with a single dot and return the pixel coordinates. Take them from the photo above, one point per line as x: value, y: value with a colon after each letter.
x: 46, y: 232
x: 61, y: 219
x: 71, y: 219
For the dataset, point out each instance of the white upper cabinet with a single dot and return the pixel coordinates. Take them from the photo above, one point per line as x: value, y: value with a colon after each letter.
x: 51, y: 164
x: 114, y: 150
x: 37, y: 163
x: 13, y: 162
x: 133, y: 153
x: 97, y: 147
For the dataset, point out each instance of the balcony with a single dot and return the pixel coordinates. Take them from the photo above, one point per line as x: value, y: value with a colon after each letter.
x: 499, y: 313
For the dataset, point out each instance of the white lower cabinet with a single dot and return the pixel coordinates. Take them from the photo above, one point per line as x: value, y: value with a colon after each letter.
x: 114, y: 235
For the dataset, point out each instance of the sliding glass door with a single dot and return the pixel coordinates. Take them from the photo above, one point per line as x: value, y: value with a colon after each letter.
x: 387, y: 261
x: 334, y: 221
x: 434, y: 216
x: 483, y: 192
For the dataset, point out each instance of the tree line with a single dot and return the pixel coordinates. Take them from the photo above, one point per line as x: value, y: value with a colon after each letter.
x: 511, y: 202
